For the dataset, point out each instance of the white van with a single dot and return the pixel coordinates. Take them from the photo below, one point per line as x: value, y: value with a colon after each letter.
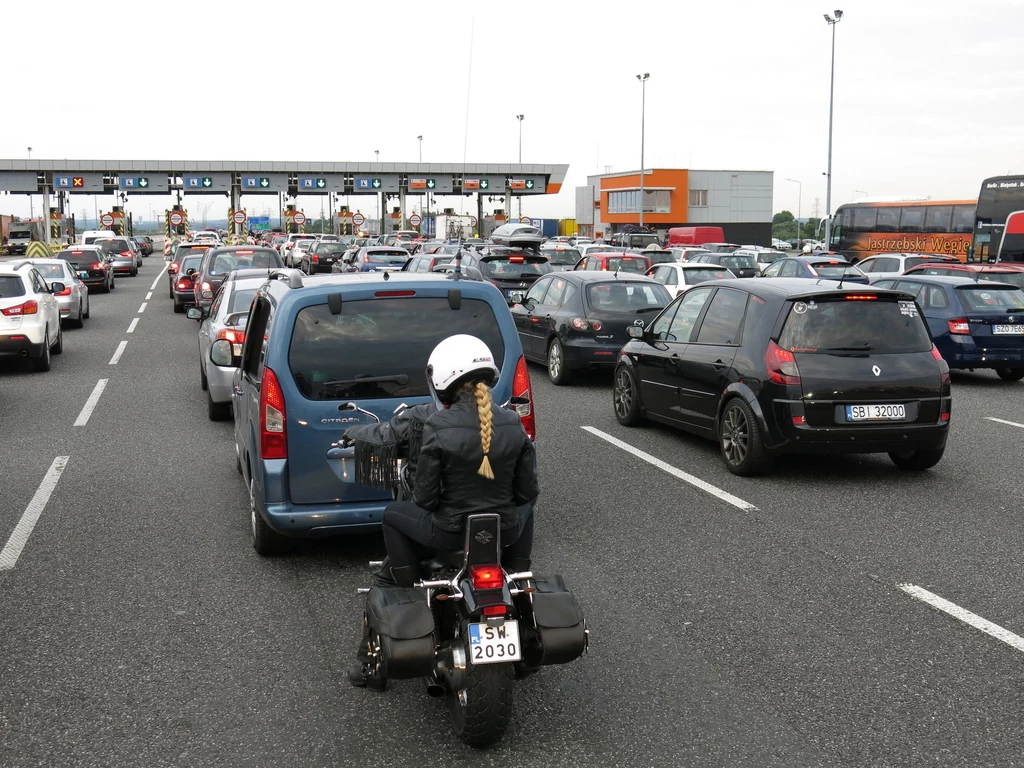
x: 90, y: 236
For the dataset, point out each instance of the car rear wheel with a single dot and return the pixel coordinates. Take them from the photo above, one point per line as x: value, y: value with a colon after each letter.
x: 265, y: 540
x: 86, y: 315
x: 58, y: 346
x: 134, y: 272
x: 79, y: 321
x: 740, y: 440
x: 178, y: 308
x: 41, y: 364
x: 917, y: 461
x: 626, y: 398
x: 113, y: 284
x: 1010, y: 374
x: 558, y: 371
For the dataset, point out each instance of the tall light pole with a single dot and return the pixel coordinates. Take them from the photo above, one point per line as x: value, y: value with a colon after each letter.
x: 31, y: 204
x: 420, y: 139
x: 831, y: 97
x: 376, y: 153
x: 799, y: 205
x: 520, y: 118
x: 643, y: 118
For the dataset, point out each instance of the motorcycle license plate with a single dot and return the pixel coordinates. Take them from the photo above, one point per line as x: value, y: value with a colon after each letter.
x: 876, y: 412
x: 494, y: 645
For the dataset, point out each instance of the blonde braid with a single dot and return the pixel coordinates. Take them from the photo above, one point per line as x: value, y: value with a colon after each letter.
x: 483, y: 409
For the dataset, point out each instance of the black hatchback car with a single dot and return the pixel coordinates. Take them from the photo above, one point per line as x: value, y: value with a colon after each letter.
x: 511, y: 270
x: 579, y: 320
x: 783, y: 366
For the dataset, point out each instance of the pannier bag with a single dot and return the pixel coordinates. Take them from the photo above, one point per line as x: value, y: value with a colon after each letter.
x: 405, y: 625
x: 560, y: 633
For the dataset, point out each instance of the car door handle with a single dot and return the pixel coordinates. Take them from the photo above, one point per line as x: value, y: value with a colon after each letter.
x: 237, y: 391
x: 718, y: 365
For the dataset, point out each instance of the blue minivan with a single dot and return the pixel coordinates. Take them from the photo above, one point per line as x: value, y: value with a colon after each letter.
x: 325, y: 353
x: 974, y: 323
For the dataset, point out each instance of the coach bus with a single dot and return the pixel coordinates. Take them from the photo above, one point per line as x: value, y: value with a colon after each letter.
x: 999, y: 197
x: 864, y: 228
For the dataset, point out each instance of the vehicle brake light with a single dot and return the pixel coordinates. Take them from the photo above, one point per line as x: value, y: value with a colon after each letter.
x: 273, y: 438
x: 316, y: 259
x: 391, y: 294
x: 583, y: 324
x: 935, y: 352
x: 781, y: 365
x: 486, y: 577
x: 516, y: 259
x: 207, y: 290
x: 97, y: 265
x: 960, y: 326
x: 237, y: 338
x: 126, y: 253
x: 184, y: 285
x: 28, y: 308
x: 861, y: 297
x: 173, y: 268
x: 244, y: 253
x: 65, y: 292
x: 494, y: 610
x: 943, y: 365
x: 944, y: 416
x: 799, y: 421
x: 521, y: 388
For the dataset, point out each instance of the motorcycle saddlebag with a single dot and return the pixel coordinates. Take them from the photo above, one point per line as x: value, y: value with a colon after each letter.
x: 560, y: 634
x: 405, y: 626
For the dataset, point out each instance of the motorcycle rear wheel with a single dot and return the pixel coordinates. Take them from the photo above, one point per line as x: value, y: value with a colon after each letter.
x: 482, y: 710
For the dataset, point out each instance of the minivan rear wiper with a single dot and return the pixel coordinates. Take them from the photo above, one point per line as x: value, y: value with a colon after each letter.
x: 397, y: 378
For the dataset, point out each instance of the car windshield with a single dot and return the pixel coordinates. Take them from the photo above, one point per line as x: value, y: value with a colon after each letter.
x: 514, y: 267
x: 226, y: 262
x: 562, y: 256
x: 396, y: 256
x: 241, y: 300
x: 379, y: 347
x: 1013, y: 278
x: 694, y: 276
x: 626, y: 296
x: 840, y: 327
x: 738, y: 262
x: 636, y: 264
x: 11, y: 286
x: 835, y: 269
x: 991, y: 298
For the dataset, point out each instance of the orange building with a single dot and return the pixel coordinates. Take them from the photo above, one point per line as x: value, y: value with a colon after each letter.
x: 738, y: 201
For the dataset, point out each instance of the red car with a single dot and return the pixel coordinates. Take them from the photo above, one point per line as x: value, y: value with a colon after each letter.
x: 1001, y: 273
x: 610, y: 262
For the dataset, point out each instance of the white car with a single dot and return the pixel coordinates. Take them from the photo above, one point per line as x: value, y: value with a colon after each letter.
x: 677, y: 278
x: 29, y: 315
x: 74, y: 299
x: 683, y: 253
x: 763, y: 256
x: 892, y: 264
x: 781, y: 245
x: 288, y: 246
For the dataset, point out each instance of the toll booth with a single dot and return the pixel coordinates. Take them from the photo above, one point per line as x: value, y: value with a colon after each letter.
x: 62, y: 229
x: 294, y: 220
x: 343, y: 224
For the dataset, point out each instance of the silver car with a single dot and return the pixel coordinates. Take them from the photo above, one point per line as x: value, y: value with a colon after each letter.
x: 221, y: 336
x: 74, y: 299
x: 125, y: 260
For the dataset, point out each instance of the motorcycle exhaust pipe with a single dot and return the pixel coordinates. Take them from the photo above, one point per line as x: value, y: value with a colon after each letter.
x: 434, y: 689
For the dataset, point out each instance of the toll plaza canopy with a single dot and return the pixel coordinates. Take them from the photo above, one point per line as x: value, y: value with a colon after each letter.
x: 292, y: 178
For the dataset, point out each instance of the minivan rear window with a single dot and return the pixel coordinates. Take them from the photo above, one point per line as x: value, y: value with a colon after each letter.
x: 378, y: 347
x: 843, y: 326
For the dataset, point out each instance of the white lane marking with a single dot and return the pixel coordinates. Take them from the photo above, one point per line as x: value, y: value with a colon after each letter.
x: 141, y: 309
x: 90, y: 404
x: 1004, y: 421
x: 118, y: 352
x: 1011, y: 639
x: 131, y: 328
x: 19, y: 537
x: 149, y: 296
x: 158, y: 276
x: 696, y: 482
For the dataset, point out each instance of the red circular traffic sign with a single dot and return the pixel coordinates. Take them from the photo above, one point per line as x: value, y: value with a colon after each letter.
x: 473, y: 221
x: 415, y: 220
x: 525, y: 220
x: 239, y: 217
x: 299, y: 217
x: 176, y: 219
x: 358, y: 219
x: 107, y: 220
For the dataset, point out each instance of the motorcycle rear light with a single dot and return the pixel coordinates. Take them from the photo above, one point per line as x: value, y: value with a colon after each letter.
x: 28, y: 308
x: 486, y: 577
x: 273, y: 438
x: 521, y: 388
x: 781, y: 365
x: 959, y: 326
x: 494, y: 610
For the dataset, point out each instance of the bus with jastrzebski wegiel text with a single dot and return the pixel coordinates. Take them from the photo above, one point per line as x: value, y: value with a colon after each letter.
x: 864, y: 228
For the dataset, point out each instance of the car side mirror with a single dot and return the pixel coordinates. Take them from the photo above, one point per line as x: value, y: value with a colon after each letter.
x: 635, y: 332
x: 194, y: 313
x: 56, y: 287
x: 221, y: 354
x: 518, y: 297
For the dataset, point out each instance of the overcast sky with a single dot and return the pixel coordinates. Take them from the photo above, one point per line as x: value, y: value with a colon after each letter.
x: 929, y: 93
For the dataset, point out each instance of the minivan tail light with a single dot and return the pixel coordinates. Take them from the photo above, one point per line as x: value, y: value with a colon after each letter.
x: 781, y: 365
x: 521, y: 388
x: 960, y: 326
x: 273, y: 438
x: 486, y: 576
x: 943, y: 365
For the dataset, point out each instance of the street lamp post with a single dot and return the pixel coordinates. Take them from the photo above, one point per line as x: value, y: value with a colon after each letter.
x: 420, y: 139
x: 520, y: 118
x: 799, y: 205
x: 643, y: 117
x: 831, y: 97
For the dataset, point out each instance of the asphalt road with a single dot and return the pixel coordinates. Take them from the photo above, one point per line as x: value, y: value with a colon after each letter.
x: 138, y: 627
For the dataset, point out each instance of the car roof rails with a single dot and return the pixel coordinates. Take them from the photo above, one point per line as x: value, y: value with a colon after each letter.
x: 292, y: 276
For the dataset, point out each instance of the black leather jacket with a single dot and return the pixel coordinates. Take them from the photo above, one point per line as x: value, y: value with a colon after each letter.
x: 447, y: 482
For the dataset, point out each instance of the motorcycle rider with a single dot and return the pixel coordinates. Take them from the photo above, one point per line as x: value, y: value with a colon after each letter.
x: 474, y: 457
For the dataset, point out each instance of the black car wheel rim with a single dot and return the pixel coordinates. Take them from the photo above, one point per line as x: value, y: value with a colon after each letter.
x: 623, y: 394
x: 555, y: 360
x: 735, y: 435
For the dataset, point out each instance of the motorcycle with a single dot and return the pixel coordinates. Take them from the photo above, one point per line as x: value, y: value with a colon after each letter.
x: 469, y: 628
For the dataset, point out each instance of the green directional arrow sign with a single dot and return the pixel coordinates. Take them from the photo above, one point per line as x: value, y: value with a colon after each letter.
x: 484, y: 183
x: 431, y: 184
x: 264, y: 182
x: 529, y: 183
x: 376, y: 183
x: 321, y: 183
x: 143, y: 181
x: 207, y: 181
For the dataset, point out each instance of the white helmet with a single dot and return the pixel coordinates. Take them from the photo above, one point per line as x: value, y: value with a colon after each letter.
x: 653, y: 247
x: 456, y: 360
x: 808, y: 249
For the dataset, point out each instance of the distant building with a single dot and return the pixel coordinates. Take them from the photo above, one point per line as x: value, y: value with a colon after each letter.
x: 740, y: 202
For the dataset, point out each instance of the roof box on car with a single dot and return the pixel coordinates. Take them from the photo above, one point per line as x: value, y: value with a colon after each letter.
x: 517, y: 235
